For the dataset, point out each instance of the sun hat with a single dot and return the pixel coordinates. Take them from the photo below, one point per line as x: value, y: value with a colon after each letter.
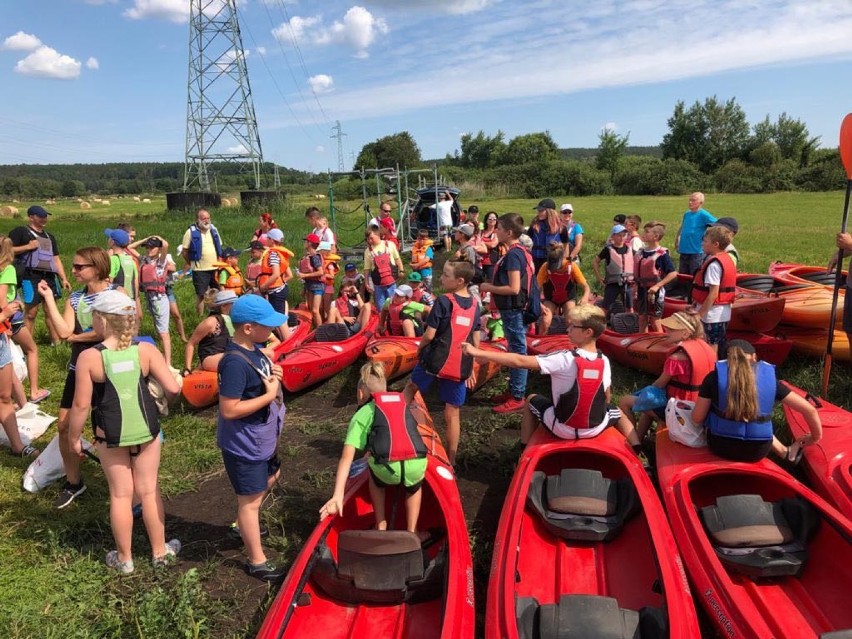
x: 465, y: 229
x: 113, y: 302
x: 405, y: 290
x: 675, y: 323
x: 415, y: 277
x: 276, y: 235
x: 256, y: 310
x: 225, y: 297
x: 121, y: 238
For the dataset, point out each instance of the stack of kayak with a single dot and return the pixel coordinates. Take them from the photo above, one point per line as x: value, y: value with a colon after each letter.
x: 352, y: 581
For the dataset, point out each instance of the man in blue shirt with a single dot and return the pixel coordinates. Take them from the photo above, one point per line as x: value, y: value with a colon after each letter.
x: 691, y: 232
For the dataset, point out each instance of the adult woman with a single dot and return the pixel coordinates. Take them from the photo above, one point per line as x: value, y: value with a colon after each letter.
x: 212, y: 334
x: 735, y: 403
x: 575, y: 231
x: 488, y: 237
x: 545, y: 228
x: 265, y: 223
x: 19, y: 333
x: 686, y: 366
x: 111, y: 380
x: 90, y: 267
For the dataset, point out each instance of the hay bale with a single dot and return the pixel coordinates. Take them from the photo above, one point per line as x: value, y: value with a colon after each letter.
x: 105, y: 202
x: 85, y: 205
x: 79, y: 199
x: 136, y: 198
x: 146, y: 200
x: 227, y: 203
x: 8, y: 211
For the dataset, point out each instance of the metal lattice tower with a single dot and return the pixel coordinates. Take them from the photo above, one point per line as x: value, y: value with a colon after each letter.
x: 339, y: 135
x: 220, y: 121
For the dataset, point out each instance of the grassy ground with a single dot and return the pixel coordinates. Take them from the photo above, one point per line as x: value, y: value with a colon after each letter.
x: 52, y: 575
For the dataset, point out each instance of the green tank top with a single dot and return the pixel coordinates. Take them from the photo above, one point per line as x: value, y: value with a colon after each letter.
x: 228, y: 324
x: 123, y: 273
x: 122, y: 407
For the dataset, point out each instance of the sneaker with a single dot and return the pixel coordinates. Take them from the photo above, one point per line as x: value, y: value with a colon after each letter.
x: 511, y: 405
x: 234, y: 531
x: 502, y: 398
x: 123, y: 567
x: 172, y: 549
x: 68, y: 494
x: 266, y: 572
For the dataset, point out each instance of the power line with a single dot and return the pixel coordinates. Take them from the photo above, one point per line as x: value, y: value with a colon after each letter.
x: 339, y: 135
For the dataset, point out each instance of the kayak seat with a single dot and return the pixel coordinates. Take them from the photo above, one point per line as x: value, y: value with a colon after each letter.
x: 292, y: 320
x: 759, y: 283
x: 331, y: 333
x: 581, y: 504
x: 378, y: 566
x: 837, y: 634
x: 587, y: 617
x: 824, y: 278
x: 624, y: 323
x: 557, y: 326
x: 757, y: 538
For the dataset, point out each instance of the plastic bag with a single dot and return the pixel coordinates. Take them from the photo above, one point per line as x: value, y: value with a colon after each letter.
x: 32, y: 423
x: 681, y: 427
x: 47, y: 467
x: 649, y: 398
x: 19, y: 362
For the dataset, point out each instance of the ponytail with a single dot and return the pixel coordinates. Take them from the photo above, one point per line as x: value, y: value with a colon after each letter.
x: 372, y: 378
x: 742, y: 388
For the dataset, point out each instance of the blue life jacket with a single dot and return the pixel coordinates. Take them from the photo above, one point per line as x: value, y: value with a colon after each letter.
x: 760, y: 429
x: 194, y: 252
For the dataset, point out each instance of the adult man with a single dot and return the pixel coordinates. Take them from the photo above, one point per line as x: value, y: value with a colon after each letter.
x: 691, y: 233
x: 444, y: 209
x: 202, y: 248
x: 37, y: 259
x: 384, y: 214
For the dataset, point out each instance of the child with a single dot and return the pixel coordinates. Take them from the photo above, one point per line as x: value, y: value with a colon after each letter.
x: 454, y: 319
x: 422, y: 255
x: 330, y: 268
x: 653, y: 270
x: 111, y: 381
x: 618, y: 260
x: 212, y: 334
x: 153, y: 274
x: 420, y: 294
x: 633, y: 222
x: 351, y: 277
x: 124, y: 271
x: 733, y: 226
x: 376, y: 426
x: 402, y: 316
x: 254, y: 266
x: 251, y: 415
x: 387, y: 231
x: 349, y: 308
x: 325, y: 234
x: 313, y: 278
x: 559, y: 279
x: 619, y: 219
x: 380, y: 258
x: 580, y: 381
x: 229, y: 276
x: 714, y: 287
x: 275, y: 271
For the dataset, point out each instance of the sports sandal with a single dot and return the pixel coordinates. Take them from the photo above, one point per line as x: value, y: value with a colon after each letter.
x: 794, y: 453
x: 26, y: 451
x: 172, y: 549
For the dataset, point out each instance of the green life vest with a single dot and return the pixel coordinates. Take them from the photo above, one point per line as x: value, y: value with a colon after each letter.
x: 123, y: 273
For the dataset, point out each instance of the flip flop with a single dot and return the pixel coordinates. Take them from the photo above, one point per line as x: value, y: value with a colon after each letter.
x: 794, y: 453
x: 43, y: 395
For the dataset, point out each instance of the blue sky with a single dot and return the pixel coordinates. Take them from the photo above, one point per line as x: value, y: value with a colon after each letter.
x: 105, y: 80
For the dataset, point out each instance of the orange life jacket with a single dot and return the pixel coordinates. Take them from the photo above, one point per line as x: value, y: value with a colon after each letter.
x: 235, y: 277
x: 418, y: 252
x: 727, y: 285
x: 266, y: 266
x: 702, y: 359
x: 330, y: 267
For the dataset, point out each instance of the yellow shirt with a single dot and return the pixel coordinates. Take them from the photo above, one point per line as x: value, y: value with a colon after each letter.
x: 382, y: 247
x: 208, y: 251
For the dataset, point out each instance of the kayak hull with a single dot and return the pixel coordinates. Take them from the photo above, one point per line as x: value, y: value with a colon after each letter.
x: 544, y: 344
x: 815, y: 601
x: 750, y: 312
x: 804, y: 274
x: 812, y: 342
x: 529, y: 561
x: 398, y: 354
x: 486, y: 371
x: 201, y: 388
x: 298, y: 335
x: 828, y: 463
x: 805, y: 305
x: 303, y: 609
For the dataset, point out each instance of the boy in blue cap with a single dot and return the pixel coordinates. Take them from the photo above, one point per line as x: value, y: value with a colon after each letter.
x: 251, y: 414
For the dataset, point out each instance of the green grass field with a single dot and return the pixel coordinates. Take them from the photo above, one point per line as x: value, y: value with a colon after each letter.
x: 52, y: 576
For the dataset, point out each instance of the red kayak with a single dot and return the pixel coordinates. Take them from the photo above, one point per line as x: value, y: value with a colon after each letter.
x: 583, y: 543
x: 767, y: 556
x: 398, y: 354
x: 544, y: 344
x: 804, y: 274
x: 314, y: 361
x: 828, y: 463
x: 298, y: 334
x: 349, y: 581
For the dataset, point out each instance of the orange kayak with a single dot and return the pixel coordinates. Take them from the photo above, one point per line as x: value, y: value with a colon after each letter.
x: 806, y: 305
x: 804, y: 274
x: 398, y: 354
x: 751, y: 312
x: 812, y: 341
x: 201, y: 388
x: 485, y: 371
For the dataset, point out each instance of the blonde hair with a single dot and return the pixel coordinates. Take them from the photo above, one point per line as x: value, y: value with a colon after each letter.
x: 7, y: 253
x: 742, y: 388
x: 552, y: 219
x: 635, y: 220
x: 589, y: 316
x: 657, y: 230
x: 210, y: 298
x: 372, y: 378
x: 654, y: 223
x: 719, y: 235
x: 122, y: 325
x: 692, y: 323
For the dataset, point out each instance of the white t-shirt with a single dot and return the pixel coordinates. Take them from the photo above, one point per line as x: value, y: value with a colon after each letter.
x: 637, y: 244
x: 445, y: 213
x: 718, y: 312
x: 563, y: 372
x: 326, y: 235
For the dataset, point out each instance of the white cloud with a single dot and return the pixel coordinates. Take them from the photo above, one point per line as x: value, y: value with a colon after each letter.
x: 319, y: 148
x: 321, y: 83
x: 261, y: 50
x: 610, y: 126
x: 49, y: 63
x: 172, y: 10
x: 238, y: 149
x: 21, y: 42
x: 358, y: 29
x: 93, y: 64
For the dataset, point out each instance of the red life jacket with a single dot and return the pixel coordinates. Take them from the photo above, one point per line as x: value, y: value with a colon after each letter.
x: 394, y: 436
x: 620, y: 267
x: 727, y: 286
x: 559, y: 282
x: 702, y: 359
x: 418, y: 294
x: 395, y: 317
x: 382, y: 273
x: 647, y: 273
x: 342, y: 304
x: 584, y: 404
x: 443, y: 356
x: 253, y: 272
x: 150, y: 280
x: 266, y: 266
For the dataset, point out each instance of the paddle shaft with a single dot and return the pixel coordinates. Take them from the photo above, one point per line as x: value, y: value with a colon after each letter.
x: 838, y: 279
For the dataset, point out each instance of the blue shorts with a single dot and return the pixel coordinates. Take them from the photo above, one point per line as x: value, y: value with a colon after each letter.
x: 5, y: 351
x: 714, y: 334
x: 315, y: 288
x: 449, y: 391
x: 250, y: 477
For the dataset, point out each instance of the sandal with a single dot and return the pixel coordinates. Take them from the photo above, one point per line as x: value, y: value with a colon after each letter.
x: 26, y: 451
x: 794, y: 453
x: 43, y: 395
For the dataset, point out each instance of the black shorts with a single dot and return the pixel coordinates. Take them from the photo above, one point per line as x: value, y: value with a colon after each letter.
x: 738, y: 449
x: 655, y: 308
x: 410, y: 490
x: 67, y: 400
x: 203, y: 280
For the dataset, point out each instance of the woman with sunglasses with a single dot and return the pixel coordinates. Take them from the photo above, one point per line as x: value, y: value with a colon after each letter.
x: 90, y: 267
x: 575, y: 231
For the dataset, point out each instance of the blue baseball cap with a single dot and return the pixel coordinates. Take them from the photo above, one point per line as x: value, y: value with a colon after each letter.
x: 37, y: 211
x: 618, y: 228
x: 256, y: 310
x: 121, y: 238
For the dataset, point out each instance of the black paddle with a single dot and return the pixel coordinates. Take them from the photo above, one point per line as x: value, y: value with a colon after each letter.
x: 846, y: 158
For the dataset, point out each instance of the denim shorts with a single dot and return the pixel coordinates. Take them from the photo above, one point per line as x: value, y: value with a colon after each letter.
x: 5, y: 351
x: 250, y: 477
x: 158, y: 304
x: 449, y: 391
x: 715, y: 333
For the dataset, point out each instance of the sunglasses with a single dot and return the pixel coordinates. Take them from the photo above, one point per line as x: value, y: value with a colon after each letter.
x: 80, y: 267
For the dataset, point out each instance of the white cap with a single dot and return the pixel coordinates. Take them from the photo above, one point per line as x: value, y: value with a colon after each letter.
x: 114, y: 302
x: 405, y: 290
x: 324, y: 246
x: 224, y: 297
x: 566, y: 207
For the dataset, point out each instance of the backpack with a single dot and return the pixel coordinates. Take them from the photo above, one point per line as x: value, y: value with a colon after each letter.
x: 532, y: 309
